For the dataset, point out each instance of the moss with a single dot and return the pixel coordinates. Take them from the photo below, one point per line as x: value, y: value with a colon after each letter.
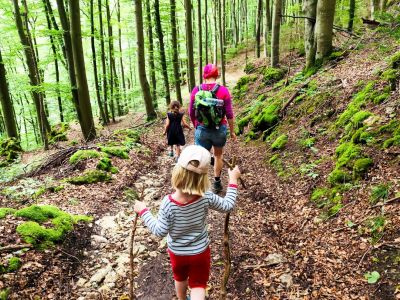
x: 395, y: 61
x: 13, y: 264
x: 81, y: 155
x: 338, y: 176
x: 242, y: 123
x: 336, y: 54
x: 58, y: 133
x: 320, y: 196
x: 242, y: 86
x: 361, y: 167
x: 379, y: 192
x: 39, y: 192
x: 346, y: 154
x: 271, y: 75
x: 56, y: 189
x: 131, y: 134
x: 249, y: 68
x: 391, y: 76
x: 39, y: 213
x: 105, y: 164
x: 332, y: 210
x: 4, y: 211
x: 362, y: 136
x: 273, y: 158
x: 280, y: 142
x: 4, y: 293
x: 390, y: 128
x: 91, y: 176
x: 267, y: 118
x: 358, y: 118
x: 311, y: 71
x: 394, y: 141
x: 380, y: 98
x: 121, y: 152
x: 308, y: 142
x: 9, y: 150
x: 251, y: 135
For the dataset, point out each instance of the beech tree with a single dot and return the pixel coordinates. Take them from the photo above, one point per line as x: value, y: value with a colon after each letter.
x: 324, y: 27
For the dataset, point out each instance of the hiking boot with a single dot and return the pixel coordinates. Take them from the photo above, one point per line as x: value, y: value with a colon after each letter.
x: 217, y: 187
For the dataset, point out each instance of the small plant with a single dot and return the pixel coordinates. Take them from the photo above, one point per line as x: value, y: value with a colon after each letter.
x: 375, y: 227
x: 379, y: 192
x: 280, y: 142
x: 308, y: 169
x: 4, y: 211
x: 372, y: 277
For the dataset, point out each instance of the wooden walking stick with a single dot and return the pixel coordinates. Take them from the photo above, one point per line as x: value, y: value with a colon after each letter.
x: 131, y: 254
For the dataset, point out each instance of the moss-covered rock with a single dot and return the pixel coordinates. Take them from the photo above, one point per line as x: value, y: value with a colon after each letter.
x: 391, y: 76
x: 4, y: 211
x: 14, y: 264
x: 9, y: 150
x: 121, y: 152
x: 271, y: 75
x: 274, y: 158
x: 361, y: 167
x: 358, y: 118
x: 242, y: 86
x: 346, y: 153
x: 395, y: 61
x: 128, y: 134
x: 82, y: 155
x: 338, y: 176
x: 91, y: 176
x: 267, y: 118
x: 280, y: 142
x: 58, y: 133
x: 394, y: 141
x: 363, y: 136
x: 39, y: 213
x: 105, y: 164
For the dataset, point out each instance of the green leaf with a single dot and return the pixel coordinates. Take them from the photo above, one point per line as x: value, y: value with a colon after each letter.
x: 349, y: 224
x: 372, y: 277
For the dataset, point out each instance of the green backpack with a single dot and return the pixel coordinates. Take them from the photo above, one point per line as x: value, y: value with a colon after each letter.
x: 208, y: 108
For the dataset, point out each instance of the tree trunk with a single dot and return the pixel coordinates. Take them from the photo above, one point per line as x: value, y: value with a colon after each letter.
x: 352, y: 11
x: 206, y: 28
x: 87, y: 123
x: 215, y: 12
x: 267, y: 26
x: 189, y: 44
x: 94, y: 60
x: 103, y: 63
x: 200, y: 42
x: 6, y: 103
x: 34, y: 76
x: 152, y: 69
x: 382, y: 5
x: 276, y: 28
x: 324, y: 27
x: 222, y: 46
x: 70, y: 58
x: 175, y: 54
x: 56, y: 66
x: 121, y: 63
x: 258, y: 26
x: 160, y: 36
x: 310, y: 12
x: 112, y: 64
x: 151, y: 114
x: 221, y: 41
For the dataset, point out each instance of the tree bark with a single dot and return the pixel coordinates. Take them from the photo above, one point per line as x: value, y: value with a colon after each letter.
x: 223, y: 49
x: 160, y: 36
x: 121, y: 63
x: 258, y: 26
x: 276, y: 28
x: 175, y: 52
x: 267, y: 26
x: 200, y: 40
x: 94, y: 60
x: 221, y: 40
x: 310, y: 13
x: 374, y: 8
x: 103, y: 63
x: 324, y: 27
x: 215, y: 12
x: 151, y: 114
x: 34, y: 76
x: 206, y: 29
x: 87, y: 123
x: 189, y: 44
x: 152, y: 70
x: 6, y: 103
x: 352, y: 11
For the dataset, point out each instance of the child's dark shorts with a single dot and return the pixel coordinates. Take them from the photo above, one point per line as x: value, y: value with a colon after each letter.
x: 195, y: 267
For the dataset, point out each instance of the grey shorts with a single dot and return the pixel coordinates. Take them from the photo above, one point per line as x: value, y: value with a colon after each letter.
x: 209, y: 137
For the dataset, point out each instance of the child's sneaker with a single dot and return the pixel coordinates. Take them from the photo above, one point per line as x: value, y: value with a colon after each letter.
x: 171, y: 153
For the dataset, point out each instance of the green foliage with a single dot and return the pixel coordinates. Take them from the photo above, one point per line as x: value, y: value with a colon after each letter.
x: 249, y: 68
x: 4, y: 293
x: 133, y: 135
x: 395, y: 61
x: 338, y: 176
x: 89, y: 177
x: 40, y: 235
x: 271, y: 75
x: 58, y: 133
x: 379, y: 192
x: 105, y: 164
x: 280, y: 142
x: 358, y: 118
x: 121, y: 152
x: 346, y: 153
x: 9, y: 149
x: 273, y: 158
x: 56, y: 189
x: 4, y: 211
x: 81, y: 155
x: 319, y: 196
x: 242, y: 86
x: 13, y: 264
x: 375, y: 227
x: 308, y: 169
x: 372, y: 277
x: 361, y: 167
x: 362, y: 136
x: 336, y: 54
x: 308, y: 142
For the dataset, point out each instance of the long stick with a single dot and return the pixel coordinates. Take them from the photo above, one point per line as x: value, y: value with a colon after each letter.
x: 131, y: 258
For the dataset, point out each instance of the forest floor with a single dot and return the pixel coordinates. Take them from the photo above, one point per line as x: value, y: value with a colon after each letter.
x: 280, y: 248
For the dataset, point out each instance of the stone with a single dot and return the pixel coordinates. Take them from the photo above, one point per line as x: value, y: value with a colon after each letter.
x: 275, y: 259
x: 107, y: 223
x: 111, y: 277
x: 100, y: 274
x: 98, y: 239
x: 81, y: 282
x: 153, y: 253
x: 286, y: 279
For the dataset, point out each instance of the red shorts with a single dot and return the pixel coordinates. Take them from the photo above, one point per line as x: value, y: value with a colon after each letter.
x: 196, y: 267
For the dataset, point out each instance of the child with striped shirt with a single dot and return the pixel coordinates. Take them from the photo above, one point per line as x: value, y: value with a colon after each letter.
x: 182, y: 218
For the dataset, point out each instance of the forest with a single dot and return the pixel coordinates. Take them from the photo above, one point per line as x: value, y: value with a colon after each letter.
x: 85, y: 89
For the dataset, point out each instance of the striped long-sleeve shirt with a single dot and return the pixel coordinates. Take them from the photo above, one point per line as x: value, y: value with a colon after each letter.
x: 185, y: 224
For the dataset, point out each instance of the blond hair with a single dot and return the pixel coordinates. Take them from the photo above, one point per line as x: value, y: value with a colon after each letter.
x: 190, y: 182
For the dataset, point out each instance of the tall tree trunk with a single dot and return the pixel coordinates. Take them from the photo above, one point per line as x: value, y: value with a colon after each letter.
x: 206, y: 28
x: 112, y: 64
x: 94, y: 60
x: 221, y: 41
x: 258, y: 26
x: 33, y: 71
x: 160, y: 36
x: 103, y: 63
x: 6, y: 103
x: 215, y: 12
x: 152, y: 69
x: 70, y: 58
x: 382, y: 5
x: 189, y: 44
x: 223, y: 44
x: 310, y: 12
x: 200, y: 40
x: 276, y: 28
x: 87, y: 123
x: 267, y: 26
x: 235, y: 10
x: 175, y: 52
x: 324, y: 27
x: 374, y: 8
x: 120, y: 52
x: 352, y: 11
x: 151, y: 114
x: 56, y: 66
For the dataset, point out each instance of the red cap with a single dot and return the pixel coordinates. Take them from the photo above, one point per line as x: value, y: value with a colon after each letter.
x: 210, y: 71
